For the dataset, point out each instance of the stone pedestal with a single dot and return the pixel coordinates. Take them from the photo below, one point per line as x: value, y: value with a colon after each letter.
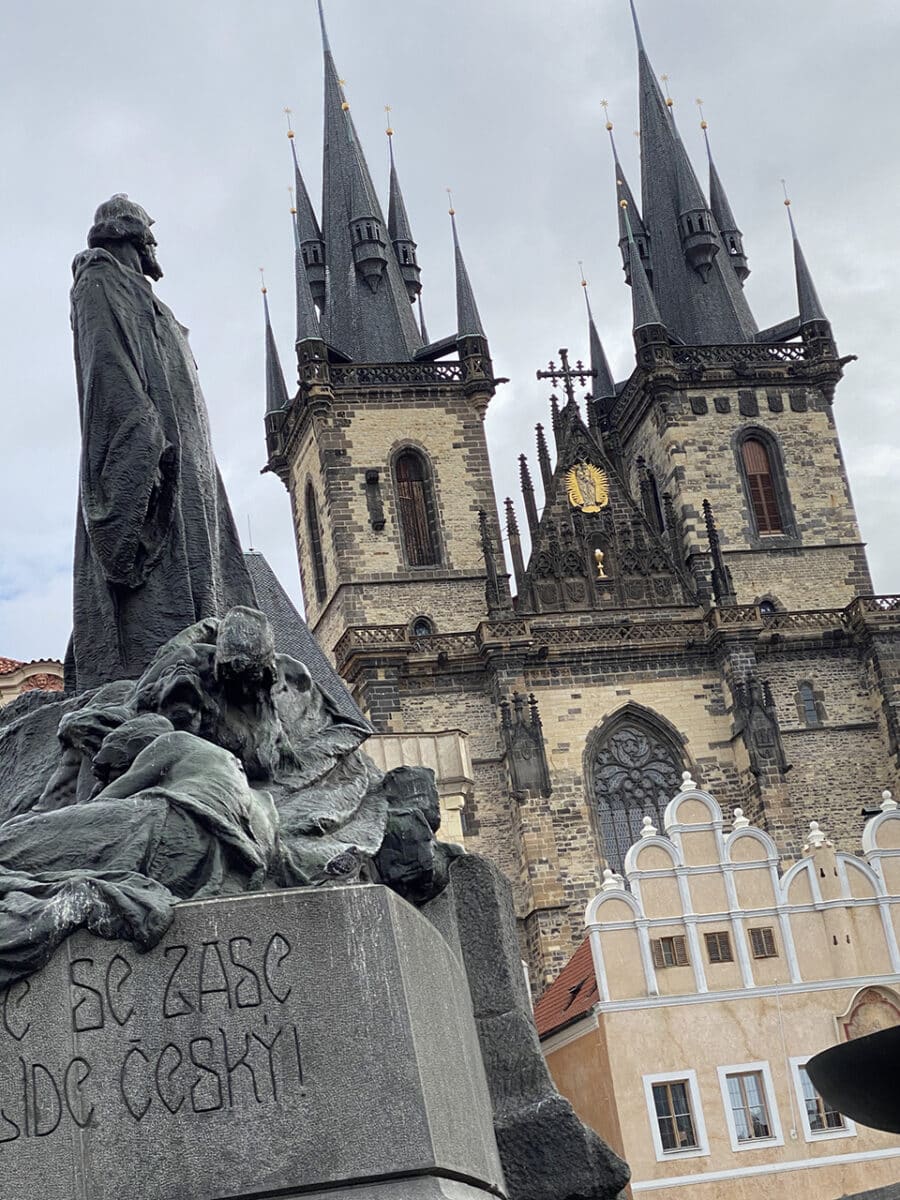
x: 272, y: 1044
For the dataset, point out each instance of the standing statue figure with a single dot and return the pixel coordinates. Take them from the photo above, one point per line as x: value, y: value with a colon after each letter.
x: 156, y: 547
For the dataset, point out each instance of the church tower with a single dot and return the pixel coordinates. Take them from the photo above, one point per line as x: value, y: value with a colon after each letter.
x: 692, y: 597
x: 382, y: 448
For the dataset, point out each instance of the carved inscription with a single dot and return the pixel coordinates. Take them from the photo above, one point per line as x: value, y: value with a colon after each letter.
x: 226, y: 1041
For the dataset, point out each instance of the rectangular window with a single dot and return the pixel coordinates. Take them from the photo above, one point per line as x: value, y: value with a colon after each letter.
x: 673, y: 1116
x: 669, y: 952
x: 819, y: 1115
x: 747, y: 1096
x: 762, y: 943
x: 718, y: 947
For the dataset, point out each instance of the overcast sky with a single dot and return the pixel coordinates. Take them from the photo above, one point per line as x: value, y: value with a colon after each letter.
x: 180, y: 105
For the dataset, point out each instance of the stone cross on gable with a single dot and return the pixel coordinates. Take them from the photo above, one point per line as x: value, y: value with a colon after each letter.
x: 567, y: 374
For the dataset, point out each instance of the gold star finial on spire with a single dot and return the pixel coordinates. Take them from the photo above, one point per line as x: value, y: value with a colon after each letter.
x: 604, y: 104
x: 669, y: 100
x: 262, y: 280
x: 703, y: 124
x: 389, y: 131
x: 287, y: 113
x: 293, y: 203
x: 452, y: 209
x: 787, y: 201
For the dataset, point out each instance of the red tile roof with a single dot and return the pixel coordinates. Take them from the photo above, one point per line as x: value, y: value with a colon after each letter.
x: 8, y: 665
x: 571, y: 995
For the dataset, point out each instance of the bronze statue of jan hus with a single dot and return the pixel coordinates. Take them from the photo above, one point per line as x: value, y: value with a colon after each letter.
x: 156, y: 547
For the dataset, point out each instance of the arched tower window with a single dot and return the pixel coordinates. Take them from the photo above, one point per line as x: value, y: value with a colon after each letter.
x: 415, y: 508
x: 634, y: 768
x: 760, y: 473
x: 810, y: 708
x: 314, y: 533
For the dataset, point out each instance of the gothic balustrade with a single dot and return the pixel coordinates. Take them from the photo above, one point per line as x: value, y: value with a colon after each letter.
x: 367, y: 374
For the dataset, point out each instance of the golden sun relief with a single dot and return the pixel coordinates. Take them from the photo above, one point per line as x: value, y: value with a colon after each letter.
x: 588, y: 487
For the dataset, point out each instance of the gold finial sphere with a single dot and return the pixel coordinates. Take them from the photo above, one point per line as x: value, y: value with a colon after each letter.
x: 787, y: 203
x: 290, y: 133
x: 609, y: 126
x: 345, y: 107
x: 703, y: 125
x: 669, y: 102
x: 262, y: 280
x: 287, y: 113
x: 623, y: 203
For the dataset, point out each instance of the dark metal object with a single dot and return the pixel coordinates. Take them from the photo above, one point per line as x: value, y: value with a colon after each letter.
x: 859, y: 1079
x: 565, y: 374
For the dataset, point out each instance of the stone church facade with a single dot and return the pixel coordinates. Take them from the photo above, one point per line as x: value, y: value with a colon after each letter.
x: 695, y: 595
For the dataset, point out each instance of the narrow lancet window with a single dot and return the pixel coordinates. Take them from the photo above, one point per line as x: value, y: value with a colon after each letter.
x: 315, y: 543
x: 761, y: 486
x: 415, y: 504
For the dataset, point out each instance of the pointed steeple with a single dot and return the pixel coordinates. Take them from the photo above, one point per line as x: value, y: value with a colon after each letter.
x: 732, y: 238
x: 468, y: 320
x: 643, y: 303
x: 811, y: 310
x: 604, y: 387
x: 624, y: 192
x: 698, y: 294
x: 400, y: 231
x: 543, y: 454
x: 367, y: 314
x: 307, y: 317
x: 276, y: 389
x: 515, y: 544
x: 308, y: 233
x: 528, y: 495
x: 422, y: 328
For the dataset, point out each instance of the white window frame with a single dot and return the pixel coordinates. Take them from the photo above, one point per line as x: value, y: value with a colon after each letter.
x: 689, y: 1078
x: 777, y: 1137
x: 810, y: 1134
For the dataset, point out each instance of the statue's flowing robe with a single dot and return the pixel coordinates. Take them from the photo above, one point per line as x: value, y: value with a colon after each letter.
x: 156, y: 547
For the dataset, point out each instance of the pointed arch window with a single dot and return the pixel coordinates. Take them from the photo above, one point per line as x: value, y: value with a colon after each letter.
x: 635, y: 769
x: 416, y: 509
x: 314, y: 534
x: 760, y: 474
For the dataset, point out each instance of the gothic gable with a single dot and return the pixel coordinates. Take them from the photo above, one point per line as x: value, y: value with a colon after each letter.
x: 594, y: 548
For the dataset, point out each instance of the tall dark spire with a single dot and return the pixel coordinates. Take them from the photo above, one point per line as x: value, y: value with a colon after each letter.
x: 307, y: 317
x: 604, y: 387
x: 624, y: 192
x: 732, y: 238
x: 698, y: 294
x: 276, y: 389
x: 367, y: 315
x: 309, y: 235
x: 811, y: 310
x: 515, y: 544
x: 468, y: 320
x: 400, y: 231
x: 643, y: 303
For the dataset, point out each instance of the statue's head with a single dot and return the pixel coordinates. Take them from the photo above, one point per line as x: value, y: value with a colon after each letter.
x: 121, y: 220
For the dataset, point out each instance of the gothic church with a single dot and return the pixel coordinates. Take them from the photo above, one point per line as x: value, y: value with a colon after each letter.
x: 696, y: 596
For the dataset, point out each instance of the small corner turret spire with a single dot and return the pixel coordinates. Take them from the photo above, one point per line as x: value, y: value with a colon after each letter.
x: 307, y: 317
x: 468, y: 319
x: 811, y: 311
x: 624, y: 192
x: 306, y: 227
x: 276, y: 389
x: 732, y: 238
x: 604, y: 387
x: 643, y: 302
x: 399, y: 229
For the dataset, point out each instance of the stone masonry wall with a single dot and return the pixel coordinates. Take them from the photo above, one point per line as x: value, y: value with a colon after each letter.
x: 689, y: 440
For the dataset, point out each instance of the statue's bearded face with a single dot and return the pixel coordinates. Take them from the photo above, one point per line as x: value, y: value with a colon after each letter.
x: 147, y: 251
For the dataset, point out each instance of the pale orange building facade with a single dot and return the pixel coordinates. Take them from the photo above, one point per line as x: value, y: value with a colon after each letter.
x: 712, y: 971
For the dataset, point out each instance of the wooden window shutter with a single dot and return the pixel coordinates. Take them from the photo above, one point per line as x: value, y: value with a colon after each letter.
x: 761, y: 486
x: 656, y: 951
x: 681, y: 954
